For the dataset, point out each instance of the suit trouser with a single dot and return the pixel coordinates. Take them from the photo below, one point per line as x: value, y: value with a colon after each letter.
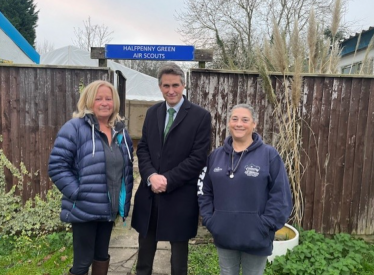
x: 148, y: 247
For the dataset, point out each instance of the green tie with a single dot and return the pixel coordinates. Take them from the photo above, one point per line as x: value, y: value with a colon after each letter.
x: 171, y: 112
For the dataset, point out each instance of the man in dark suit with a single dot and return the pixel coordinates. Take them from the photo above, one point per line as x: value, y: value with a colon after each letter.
x: 171, y: 154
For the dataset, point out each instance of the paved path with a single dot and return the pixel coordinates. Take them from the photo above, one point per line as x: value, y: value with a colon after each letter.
x: 123, y: 249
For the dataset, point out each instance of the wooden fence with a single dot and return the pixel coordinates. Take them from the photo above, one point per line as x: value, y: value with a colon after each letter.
x: 337, y: 129
x: 35, y: 102
x: 337, y: 140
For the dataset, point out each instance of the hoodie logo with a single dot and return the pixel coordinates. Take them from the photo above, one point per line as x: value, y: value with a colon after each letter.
x: 252, y: 170
x: 217, y: 169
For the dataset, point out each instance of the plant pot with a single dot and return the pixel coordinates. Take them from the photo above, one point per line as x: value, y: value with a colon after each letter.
x: 285, y: 238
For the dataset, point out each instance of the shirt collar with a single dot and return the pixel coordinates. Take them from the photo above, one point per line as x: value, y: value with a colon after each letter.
x: 176, y: 107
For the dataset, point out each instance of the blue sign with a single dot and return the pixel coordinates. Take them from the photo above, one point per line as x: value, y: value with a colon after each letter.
x: 150, y: 52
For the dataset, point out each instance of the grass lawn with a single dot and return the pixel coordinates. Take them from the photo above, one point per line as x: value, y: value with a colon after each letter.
x: 340, y: 254
x: 51, y: 254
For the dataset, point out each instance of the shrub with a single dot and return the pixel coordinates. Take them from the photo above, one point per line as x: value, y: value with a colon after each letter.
x: 341, y: 254
x: 34, y: 218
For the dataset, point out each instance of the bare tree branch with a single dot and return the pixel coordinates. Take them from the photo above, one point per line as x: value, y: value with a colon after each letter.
x: 44, y: 47
x: 233, y: 28
x: 91, y: 35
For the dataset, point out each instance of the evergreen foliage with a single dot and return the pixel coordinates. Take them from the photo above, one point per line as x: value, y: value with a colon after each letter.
x: 36, y: 217
x: 23, y: 15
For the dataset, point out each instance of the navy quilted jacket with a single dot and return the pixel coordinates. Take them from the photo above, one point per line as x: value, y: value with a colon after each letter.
x: 77, y: 168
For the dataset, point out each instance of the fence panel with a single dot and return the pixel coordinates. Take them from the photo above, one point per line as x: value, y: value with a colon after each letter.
x: 337, y: 128
x: 35, y: 102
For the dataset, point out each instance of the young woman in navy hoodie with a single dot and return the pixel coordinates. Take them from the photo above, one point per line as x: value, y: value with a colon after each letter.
x: 244, y: 196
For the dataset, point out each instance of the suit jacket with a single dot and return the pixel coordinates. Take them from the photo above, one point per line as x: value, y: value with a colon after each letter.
x: 180, y: 159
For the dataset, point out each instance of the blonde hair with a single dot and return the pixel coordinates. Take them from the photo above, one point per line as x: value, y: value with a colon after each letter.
x: 87, y: 100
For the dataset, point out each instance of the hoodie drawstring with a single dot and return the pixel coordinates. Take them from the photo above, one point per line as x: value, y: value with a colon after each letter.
x: 127, y: 146
x: 94, y: 147
x: 93, y: 140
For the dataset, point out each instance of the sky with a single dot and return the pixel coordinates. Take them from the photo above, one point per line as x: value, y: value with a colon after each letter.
x: 132, y: 22
x: 360, y: 14
x: 140, y: 22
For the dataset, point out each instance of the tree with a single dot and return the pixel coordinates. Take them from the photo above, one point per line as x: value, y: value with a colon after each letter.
x: 91, y: 35
x: 44, y: 47
x: 286, y: 12
x: 233, y: 28
x: 226, y: 26
x: 23, y: 15
x: 148, y: 67
x: 340, y: 34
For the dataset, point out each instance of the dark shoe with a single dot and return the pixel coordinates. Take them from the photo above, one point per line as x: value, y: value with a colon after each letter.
x: 100, y: 267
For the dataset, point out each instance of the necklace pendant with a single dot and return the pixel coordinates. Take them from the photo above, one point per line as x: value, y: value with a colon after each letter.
x: 231, y: 175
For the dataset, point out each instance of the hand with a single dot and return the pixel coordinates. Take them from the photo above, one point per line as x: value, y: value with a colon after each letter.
x: 158, y: 183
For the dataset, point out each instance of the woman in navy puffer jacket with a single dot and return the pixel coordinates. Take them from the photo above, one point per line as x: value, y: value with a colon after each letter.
x: 91, y: 164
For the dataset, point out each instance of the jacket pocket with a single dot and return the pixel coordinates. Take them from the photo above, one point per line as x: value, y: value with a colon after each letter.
x: 238, y: 230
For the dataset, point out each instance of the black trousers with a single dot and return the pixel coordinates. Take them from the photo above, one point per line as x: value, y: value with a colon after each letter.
x: 148, y: 247
x: 90, y: 242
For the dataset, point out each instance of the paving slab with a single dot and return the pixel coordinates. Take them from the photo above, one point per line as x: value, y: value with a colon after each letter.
x: 122, y: 260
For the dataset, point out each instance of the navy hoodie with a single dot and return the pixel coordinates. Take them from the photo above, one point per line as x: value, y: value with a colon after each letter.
x: 243, y: 212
